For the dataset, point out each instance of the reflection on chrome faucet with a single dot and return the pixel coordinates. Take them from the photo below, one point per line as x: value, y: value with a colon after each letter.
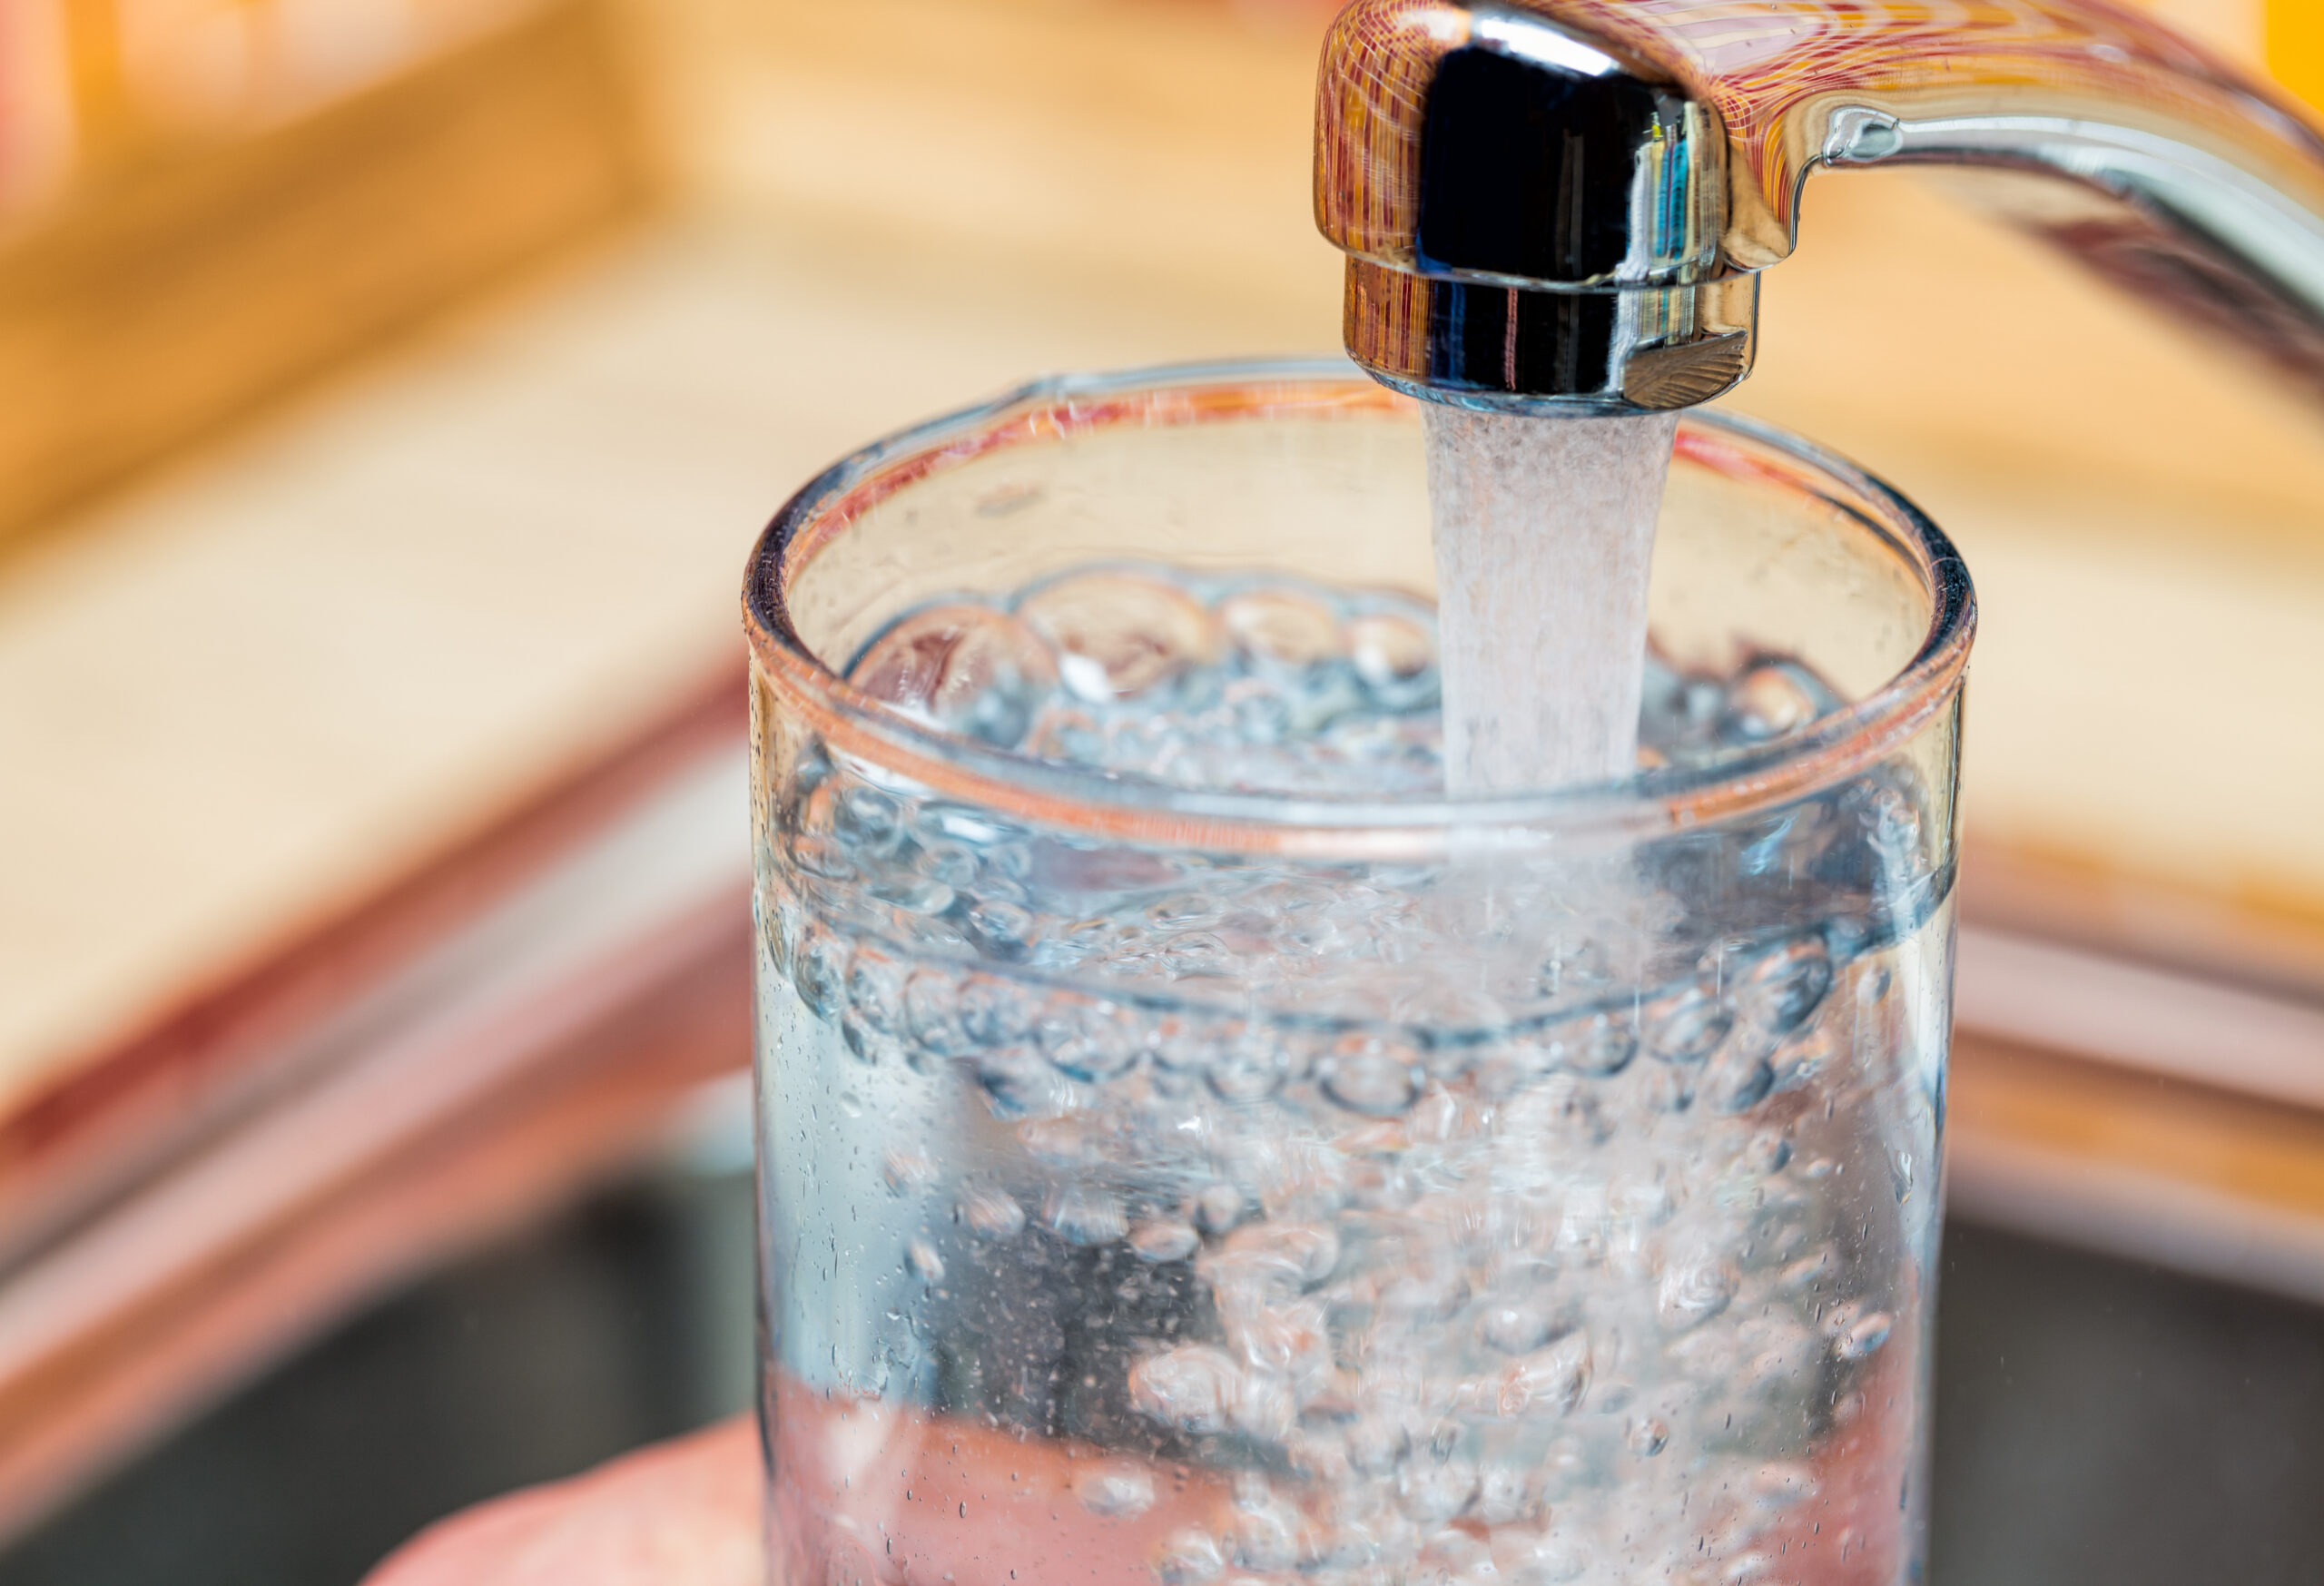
x: 1567, y: 202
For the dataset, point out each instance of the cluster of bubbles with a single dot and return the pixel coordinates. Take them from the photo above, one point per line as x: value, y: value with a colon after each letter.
x: 1506, y: 1229
x: 1255, y: 684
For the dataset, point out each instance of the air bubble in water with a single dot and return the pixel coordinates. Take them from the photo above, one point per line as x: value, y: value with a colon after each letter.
x: 1395, y: 657
x: 1282, y: 1257
x: 1118, y: 635
x: 1285, y: 626
x: 1519, y: 1326
x: 1506, y: 1496
x: 1376, y: 1445
x: 820, y: 971
x: 964, y: 668
x: 875, y: 991
x: 1000, y: 926
x: 932, y: 1014
x: 1694, y: 1290
x: 1058, y: 1142
x: 1162, y: 1239
x: 1688, y: 1027
x: 907, y: 1168
x: 1738, y: 1080
x: 1191, y: 1388
x: 1092, y: 1043
x: 1188, y: 1558
x: 1525, y: 1559
x: 1550, y: 1382
x: 1115, y: 1491
x: 1248, y: 1069
x: 1766, y: 1152
x: 1218, y: 1208
x: 1084, y: 1215
x: 993, y: 1215
x: 1264, y: 1529
x: 1773, y: 698
x: 1018, y: 1081
x: 1596, y: 1048
x: 1434, y: 1492
x: 1783, y: 988
x: 1372, y: 1075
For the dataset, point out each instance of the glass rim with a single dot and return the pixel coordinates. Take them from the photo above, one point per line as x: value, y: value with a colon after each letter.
x: 1088, y: 800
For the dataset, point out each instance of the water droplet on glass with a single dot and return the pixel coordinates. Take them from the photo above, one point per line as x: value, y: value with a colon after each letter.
x: 1865, y: 1336
x: 1808, y: 1273
x: 1648, y: 1436
x: 925, y: 1263
x: 1780, y: 1485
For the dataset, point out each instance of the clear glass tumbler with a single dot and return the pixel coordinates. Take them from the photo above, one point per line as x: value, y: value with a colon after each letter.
x: 1192, y: 1148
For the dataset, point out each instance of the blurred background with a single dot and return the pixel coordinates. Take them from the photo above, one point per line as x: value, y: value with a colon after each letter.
x: 389, y: 391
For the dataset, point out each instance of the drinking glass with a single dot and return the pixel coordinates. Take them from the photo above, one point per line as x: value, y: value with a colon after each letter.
x: 1193, y: 1149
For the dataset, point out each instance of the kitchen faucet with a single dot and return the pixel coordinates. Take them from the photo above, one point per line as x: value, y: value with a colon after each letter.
x: 1565, y: 206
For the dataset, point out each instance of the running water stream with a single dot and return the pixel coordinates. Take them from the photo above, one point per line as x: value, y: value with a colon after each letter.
x: 1544, y: 538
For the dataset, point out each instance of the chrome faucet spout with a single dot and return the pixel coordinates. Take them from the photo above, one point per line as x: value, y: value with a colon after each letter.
x: 1565, y: 204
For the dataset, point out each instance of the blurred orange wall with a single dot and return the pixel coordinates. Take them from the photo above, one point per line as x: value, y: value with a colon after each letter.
x: 2296, y: 45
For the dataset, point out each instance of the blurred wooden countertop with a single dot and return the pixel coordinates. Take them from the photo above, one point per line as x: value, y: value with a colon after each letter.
x: 279, y: 674
x: 284, y: 677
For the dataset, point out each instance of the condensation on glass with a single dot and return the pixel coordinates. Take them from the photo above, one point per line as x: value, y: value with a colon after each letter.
x: 1192, y: 1150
